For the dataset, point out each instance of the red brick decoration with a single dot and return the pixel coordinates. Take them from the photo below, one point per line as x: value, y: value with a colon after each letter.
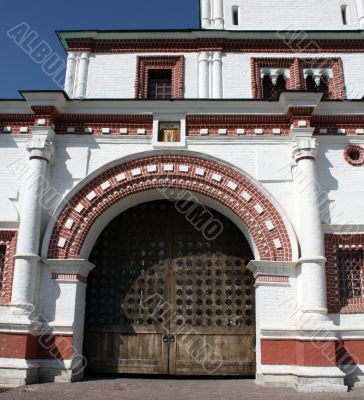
x: 206, y: 177
x: 340, y: 125
x: 7, y: 241
x: 297, y: 43
x: 354, y: 155
x: 174, y: 63
x: 312, y: 353
x: 117, y: 124
x: 234, y: 122
x: 296, y: 67
x: 345, y: 255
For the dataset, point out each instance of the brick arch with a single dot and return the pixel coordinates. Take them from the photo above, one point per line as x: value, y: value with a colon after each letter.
x: 209, y: 178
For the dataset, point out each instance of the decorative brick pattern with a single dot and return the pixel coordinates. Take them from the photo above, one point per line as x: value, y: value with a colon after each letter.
x: 354, y: 155
x: 68, y: 277
x: 216, y: 44
x: 145, y: 64
x: 132, y: 123
x: 169, y: 176
x: 7, y: 240
x: 296, y: 66
x: 340, y: 125
x: 272, y: 279
x: 46, y: 113
x: 336, y: 246
x: 232, y: 123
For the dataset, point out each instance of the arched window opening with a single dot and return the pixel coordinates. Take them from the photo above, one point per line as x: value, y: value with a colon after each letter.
x: 320, y: 86
x: 345, y: 14
x: 235, y: 10
x: 272, y: 87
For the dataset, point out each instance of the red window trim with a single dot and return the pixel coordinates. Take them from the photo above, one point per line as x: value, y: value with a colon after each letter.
x: 146, y: 63
x: 296, y: 67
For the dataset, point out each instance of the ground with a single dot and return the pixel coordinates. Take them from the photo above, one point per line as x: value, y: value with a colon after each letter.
x: 163, y: 389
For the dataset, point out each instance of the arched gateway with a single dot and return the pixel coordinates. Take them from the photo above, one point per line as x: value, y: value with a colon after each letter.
x: 170, y: 236
x: 171, y: 294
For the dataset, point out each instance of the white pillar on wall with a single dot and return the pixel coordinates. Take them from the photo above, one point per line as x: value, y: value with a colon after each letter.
x: 218, y: 14
x: 206, y: 14
x: 217, y: 75
x: 203, y: 75
x: 312, y: 261
x: 82, y: 71
x: 70, y: 73
x: 41, y: 149
x: 360, y: 9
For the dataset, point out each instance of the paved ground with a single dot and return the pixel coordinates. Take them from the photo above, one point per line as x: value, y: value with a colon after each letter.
x: 165, y: 389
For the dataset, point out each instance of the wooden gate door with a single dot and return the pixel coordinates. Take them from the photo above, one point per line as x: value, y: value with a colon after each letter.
x: 164, y: 299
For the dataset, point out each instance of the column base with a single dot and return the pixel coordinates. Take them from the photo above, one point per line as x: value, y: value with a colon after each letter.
x: 303, y: 379
x: 17, y: 372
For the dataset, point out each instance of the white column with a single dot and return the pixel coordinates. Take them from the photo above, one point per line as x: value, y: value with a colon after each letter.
x: 70, y: 73
x: 360, y: 9
x: 218, y: 14
x: 40, y: 148
x: 203, y: 75
x: 313, y: 277
x: 217, y: 75
x: 205, y: 14
x: 81, y: 80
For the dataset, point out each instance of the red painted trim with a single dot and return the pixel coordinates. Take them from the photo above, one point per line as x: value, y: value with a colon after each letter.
x: 30, y: 347
x: 312, y: 353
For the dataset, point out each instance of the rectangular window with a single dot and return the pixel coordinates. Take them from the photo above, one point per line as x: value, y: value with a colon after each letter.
x: 2, y: 264
x: 160, y: 84
x: 235, y: 16
x: 351, y: 279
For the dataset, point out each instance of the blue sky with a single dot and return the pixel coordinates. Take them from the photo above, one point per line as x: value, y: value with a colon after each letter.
x: 19, y: 71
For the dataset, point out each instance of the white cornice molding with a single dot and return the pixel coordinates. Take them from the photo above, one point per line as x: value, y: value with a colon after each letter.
x: 184, y: 106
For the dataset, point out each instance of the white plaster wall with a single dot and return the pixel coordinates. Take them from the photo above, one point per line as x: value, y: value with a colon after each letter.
x: 113, y: 75
x: 289, y: 14
x: 78, y: 156
x: 341, y: 184
x: 13, y: 168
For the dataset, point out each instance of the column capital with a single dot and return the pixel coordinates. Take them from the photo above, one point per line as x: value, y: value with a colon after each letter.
x: 303, y: 143
x: 40, y: 145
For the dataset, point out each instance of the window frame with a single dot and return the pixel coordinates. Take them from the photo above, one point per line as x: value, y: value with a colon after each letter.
x: 146, y: 63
